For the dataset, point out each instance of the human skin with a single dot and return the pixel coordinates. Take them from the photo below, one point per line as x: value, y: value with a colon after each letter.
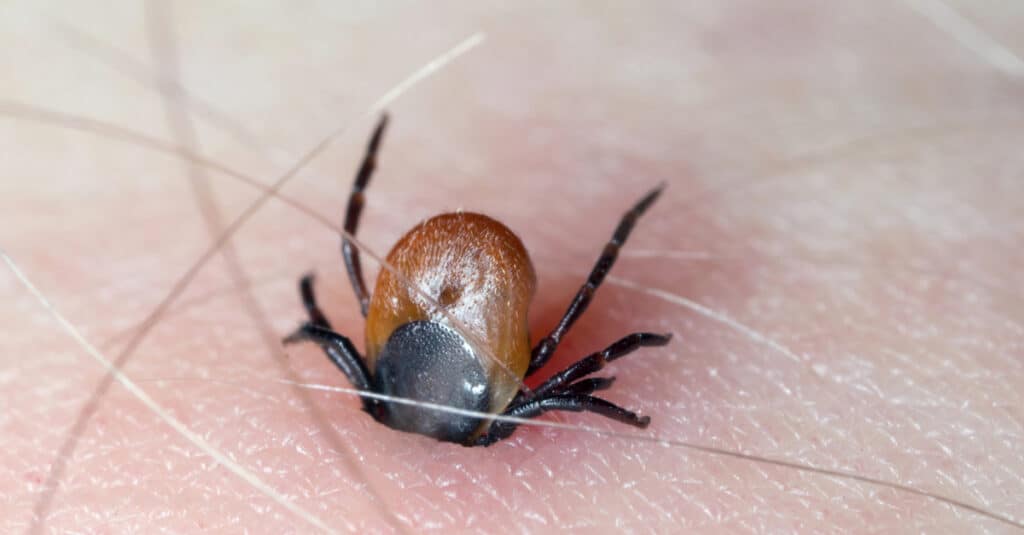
x: 838, y: 254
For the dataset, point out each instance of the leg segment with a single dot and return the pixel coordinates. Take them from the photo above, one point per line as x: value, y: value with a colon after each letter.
x: 589, y: 386
x: 560, y: 402
x: 355, y: 209
x: 595, y: 361
x: 342, y: 353
x: 316, y: 316
x: 546, y: 347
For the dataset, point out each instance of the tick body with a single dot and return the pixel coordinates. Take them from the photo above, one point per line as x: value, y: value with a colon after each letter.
x: 473, y: 352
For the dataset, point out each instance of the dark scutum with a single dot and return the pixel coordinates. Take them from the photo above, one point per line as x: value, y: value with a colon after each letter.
x: 428, y: 361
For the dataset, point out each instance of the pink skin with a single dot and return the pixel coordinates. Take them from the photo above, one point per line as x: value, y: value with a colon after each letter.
x: 845, y: 202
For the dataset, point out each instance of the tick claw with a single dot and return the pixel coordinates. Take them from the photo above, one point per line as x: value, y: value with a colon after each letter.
x: 298, y: 336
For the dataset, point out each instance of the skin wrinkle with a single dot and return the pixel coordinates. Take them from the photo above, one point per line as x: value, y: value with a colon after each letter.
x: 160, y: 24
x: 66, y: 451
x: 840, y: 475
x: 710, y: 314
x: 155, y: 408
x: 125, y: 64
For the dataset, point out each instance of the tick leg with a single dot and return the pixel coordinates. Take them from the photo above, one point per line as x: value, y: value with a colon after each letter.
x: 316, y: 316
x: 560, y: 402
x: 342, y: 353
x: 589, y: 386
x: 355, y: 208
x: 595, y: 361
x: 583, y: 386
x: 546, y: 347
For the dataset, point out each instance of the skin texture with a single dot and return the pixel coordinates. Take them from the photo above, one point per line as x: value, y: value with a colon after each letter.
x: 838, y: 253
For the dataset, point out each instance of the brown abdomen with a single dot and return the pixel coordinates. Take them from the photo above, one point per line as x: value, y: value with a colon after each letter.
x: 479, y: 271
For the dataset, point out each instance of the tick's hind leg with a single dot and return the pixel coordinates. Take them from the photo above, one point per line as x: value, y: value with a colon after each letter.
x: 589, y: 386
x: 569, y: 390
x: 596, y: 361
x: 355, y: 208
x: 338, y: 348
x: 560, y: 402
x: 343, y: 354
x: 546, y: 347
x: 316, y: 316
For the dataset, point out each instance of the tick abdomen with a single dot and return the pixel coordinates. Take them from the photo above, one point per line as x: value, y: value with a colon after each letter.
x: 480, y: 273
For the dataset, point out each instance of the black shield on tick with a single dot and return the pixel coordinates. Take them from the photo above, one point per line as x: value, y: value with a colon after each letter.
x: 428, y: 361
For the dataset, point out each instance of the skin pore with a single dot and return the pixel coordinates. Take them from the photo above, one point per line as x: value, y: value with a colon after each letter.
x: 838, y: 254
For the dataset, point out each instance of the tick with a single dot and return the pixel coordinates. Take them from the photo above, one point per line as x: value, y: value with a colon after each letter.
x: 480, y: 273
